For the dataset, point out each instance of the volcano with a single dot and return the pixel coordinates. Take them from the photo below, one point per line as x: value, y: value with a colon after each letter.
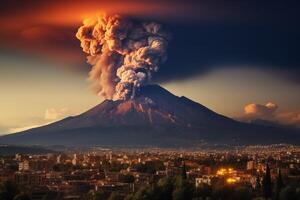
x: 154, y: 118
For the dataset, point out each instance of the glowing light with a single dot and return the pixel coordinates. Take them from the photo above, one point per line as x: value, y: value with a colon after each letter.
x: 221, y: 172
x: 225, y: 171
x: 231, y: 180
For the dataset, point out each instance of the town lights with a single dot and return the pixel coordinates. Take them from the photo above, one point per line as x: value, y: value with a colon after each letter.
x: 231, y: 180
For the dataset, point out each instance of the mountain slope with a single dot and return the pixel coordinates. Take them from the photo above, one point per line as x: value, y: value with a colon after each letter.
x: 155, y: 117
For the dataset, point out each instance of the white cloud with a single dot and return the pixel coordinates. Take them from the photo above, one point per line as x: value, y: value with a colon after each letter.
x: 260, y: 111
x: 269, y: 112
x: 51, y: 115
x: 56, y: 114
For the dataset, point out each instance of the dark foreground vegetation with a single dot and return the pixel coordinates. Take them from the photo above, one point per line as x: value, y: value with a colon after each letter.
x: 173, y: 188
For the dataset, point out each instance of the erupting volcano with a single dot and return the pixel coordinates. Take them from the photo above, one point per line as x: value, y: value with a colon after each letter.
x: 124, y: 54
x: 154, y: 117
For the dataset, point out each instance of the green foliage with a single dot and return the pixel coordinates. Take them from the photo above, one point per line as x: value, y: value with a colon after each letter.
x: 257, y: 183
x: 97, y: 195
x: 166, y: 189
x: 115, y: 196
x: 89, y: 196
x: 183, y: 172
x: 178, y: 188
x: 126, y: 178
x: 278, y: 185
x: 8, y: 190
x: 22, y: 196
x: 63, y: 167
x: 243, y: 192
x: 290, y: 193
x: 102, y: 195
x: 267, y: 187
x: 53, y: 195
x: 222, y: 192
x: 147, y: 193
x: 230, y: 192
x: 166, y: 186
x: 129, y: 197
x: 204, y: 191
x: 150, y: 167
x: 116, y: 166
x: 113, y: 166
x: 183, y: 189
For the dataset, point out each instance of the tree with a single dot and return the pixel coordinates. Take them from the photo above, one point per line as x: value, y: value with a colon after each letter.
x: 51, y: 195
x: 183, y: 171
x: 22, y: 196
x: 129, y: 197
x: 126, y: 178
x: 204, y: 191
x: 166, y: 186
x: 115, y: 196
x: 267, y: 188
x: 289, y: 193
x: 147, y: 193
x: 96, y: 195
x: 242, y: 192
x: 183, y: 189
x: 258, y: 183
x: 221, y: 191
x: 8, y: 190
x: 232, y: 192
x: 279, y: 184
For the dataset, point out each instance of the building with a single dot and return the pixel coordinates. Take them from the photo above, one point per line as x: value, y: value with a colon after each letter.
x: 24, y: 166
x: 30, y: 178
x: 205, y: 179
x: 251, y: 165
x: 18, y: 157
x: 58, y: 159
x: 74, y: 160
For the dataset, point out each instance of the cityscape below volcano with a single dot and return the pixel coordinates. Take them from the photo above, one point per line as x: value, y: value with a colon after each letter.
x: 149, y: 100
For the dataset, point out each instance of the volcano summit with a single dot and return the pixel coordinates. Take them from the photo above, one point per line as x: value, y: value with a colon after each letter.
x: 154, y: 117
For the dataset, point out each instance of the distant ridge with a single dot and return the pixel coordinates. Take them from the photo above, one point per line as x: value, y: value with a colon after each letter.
x: 9, y: 150
x: 155, y: 117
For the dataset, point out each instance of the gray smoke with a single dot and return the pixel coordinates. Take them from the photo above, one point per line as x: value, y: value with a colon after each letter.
x: 123, y: 53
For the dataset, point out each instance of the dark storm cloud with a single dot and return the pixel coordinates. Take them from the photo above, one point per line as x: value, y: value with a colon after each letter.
x: 199, y: 48
x: 264, y: 35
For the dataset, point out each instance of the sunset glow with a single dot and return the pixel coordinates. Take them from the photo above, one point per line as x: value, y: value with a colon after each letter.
x: 149, y: 100
x: 43, y: 40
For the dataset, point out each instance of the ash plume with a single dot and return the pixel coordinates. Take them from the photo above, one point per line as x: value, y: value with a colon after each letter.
x: 123, y: 53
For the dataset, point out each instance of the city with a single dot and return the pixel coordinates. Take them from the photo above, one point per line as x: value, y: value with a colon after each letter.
x: 251, y: 172
x: 149, y: 100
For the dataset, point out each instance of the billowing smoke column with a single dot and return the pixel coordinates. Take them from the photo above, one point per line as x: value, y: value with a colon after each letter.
x: 123, y: 53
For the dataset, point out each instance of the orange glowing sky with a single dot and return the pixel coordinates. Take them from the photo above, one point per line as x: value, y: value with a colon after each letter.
x: 47, y: 28
x: 43, y: 69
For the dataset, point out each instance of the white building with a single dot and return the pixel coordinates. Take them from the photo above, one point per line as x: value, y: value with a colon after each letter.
x: 205, y: 179
x: 251, y: 165
x: 74, y: 160
x: 58, y: 159
x: 24, y: 166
